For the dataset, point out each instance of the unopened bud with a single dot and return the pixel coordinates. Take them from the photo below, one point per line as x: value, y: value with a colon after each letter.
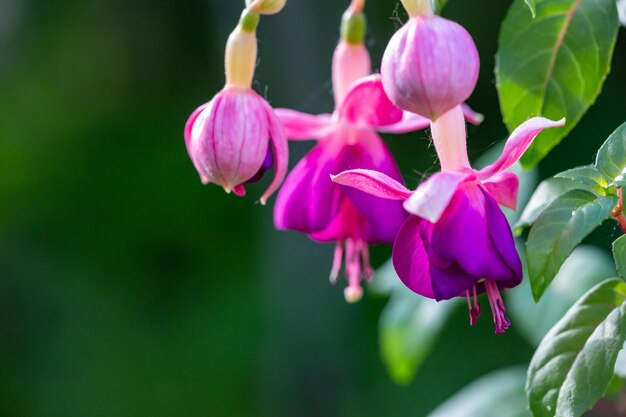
x: 266, y: 6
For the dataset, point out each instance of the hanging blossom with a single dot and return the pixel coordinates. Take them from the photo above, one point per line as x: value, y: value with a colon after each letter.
x: 457, y: 241
x: 308, y: 201
x: 236, y: 137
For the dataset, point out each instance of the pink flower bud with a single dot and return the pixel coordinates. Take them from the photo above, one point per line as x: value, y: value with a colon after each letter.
x: 229, y: 138
x: 430, y: 66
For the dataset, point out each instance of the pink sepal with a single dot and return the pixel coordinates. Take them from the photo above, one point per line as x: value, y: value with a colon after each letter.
x: 503, y: 187
x: 519, y: 141
x: 432, y: 197
x: 303, y: 126
x: 372, y: 182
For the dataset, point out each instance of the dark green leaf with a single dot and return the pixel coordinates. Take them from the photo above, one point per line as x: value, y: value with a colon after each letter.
x: 498, y: 394
x: 589, y: 176
x: 619, y: 254
x: 545, y: 194
x: 531, y: 6
x: 584, y: 268
x: 611, y: 159
x: 553, y: 65
x: 558, y: 230
x: 574, y: 363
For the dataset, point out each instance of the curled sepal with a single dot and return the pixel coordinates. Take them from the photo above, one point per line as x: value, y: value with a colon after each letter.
x: 372, y: 182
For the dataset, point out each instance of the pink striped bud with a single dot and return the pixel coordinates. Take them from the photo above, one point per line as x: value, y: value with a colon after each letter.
x: 430, y: 66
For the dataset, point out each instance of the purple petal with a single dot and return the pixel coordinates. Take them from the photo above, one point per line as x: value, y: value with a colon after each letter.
x: 432, y: 197
x: 502, y: 239
x: 299, y: 125
x: 410, y: 258
x: 503, y: 187
x: 366, y: 103
x: 520, y: 139
x: 463, y: 235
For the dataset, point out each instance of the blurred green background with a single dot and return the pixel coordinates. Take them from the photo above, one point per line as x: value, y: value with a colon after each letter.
x: 129, y: 289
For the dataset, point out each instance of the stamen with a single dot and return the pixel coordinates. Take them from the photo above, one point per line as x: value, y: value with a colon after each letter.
x: 353, y: 292
x: 365, y: 259
x: 474, y: 311
x: 337, y: 258
x: 497, y: 307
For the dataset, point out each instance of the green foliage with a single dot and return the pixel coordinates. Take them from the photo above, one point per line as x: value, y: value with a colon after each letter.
x: 574, y: 363
x: 438, y: 5
x: 546, y: 193
x: 557, y: 231
x: 619, y: 254
x: 484, y: 397
x: 587, y: 175
x: 611, y: 158
x: 409, y: 326
x: 584, y: 268
x: 532, y: 6
x: 553, y: 65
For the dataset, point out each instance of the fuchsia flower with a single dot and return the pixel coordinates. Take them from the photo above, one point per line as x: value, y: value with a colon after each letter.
x: 430, y: 64
x: 457, y: 241
x: 236, y: 137
x: 308, y: 202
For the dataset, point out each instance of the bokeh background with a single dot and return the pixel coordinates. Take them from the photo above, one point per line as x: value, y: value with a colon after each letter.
x: 127, y: 288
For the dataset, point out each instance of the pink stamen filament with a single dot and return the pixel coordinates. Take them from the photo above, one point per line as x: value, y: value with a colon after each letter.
x: 474, y: 311
x: 497, y: 307
x: 357, y: 266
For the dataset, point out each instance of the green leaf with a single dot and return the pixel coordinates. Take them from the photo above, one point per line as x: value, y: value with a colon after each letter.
x: 574, y: 363
x: 409, y: 326
x: 531, y: 5
x: 611, y: 158
x: 553, y: 65
x: 619, y: 254
x: 584, y: 268
x: 558, y: 230
x: 589, y: 176
x: 498, y: 394
x: 545, y: 194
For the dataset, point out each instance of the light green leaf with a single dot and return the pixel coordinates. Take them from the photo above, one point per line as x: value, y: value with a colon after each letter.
x: 611, y: 158
x: 498, y: 394
x: 438, y: 5
x: 545, y: 194
x: 409, y: 326
x: 574, y: 363
x: 531, y: 5
x: 619, y: 254
x: 584, y: 268
x: 558, y: 230
x: 589, y: 176
x: 553, y: 65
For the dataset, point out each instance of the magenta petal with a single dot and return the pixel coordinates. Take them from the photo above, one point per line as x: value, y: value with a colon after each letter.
x: 503, y: 187
x: 298, y: 125
x: 308, y: 200
x: 366, y: 103
x: 373, y: 182
x: 432, y: 197
x: 520, y: 139
x: 410, y: 258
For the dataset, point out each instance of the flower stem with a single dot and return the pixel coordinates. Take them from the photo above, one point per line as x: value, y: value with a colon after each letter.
x: 618, y: 211
x: 450, y: 141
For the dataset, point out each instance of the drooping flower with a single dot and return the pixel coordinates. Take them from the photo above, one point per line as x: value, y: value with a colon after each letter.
x: 457, y: 241
x: 308, y: 201
x: 430, y: 64
x: 236, y: 137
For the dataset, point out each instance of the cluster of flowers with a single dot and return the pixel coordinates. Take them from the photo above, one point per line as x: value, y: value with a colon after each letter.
x: 450, y: 237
